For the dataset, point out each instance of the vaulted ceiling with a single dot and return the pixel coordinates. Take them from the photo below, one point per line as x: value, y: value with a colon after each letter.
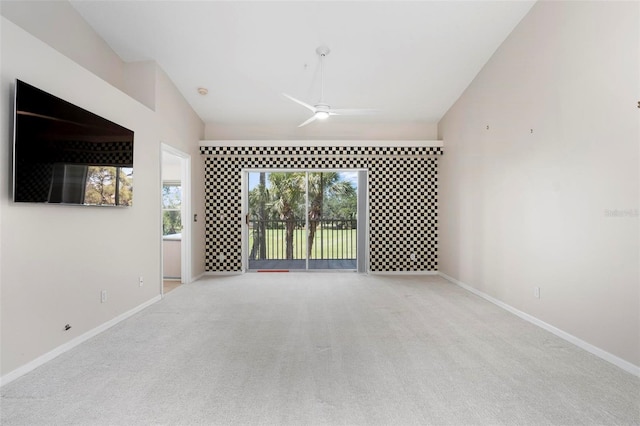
x: 408, y: 60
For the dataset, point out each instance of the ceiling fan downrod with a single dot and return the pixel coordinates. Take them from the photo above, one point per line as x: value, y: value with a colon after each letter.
x: 322, y: 51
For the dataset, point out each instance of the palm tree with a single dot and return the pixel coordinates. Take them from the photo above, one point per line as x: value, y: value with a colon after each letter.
x: 258, y: 199
x: 288, y: 193
x: 320, y: 183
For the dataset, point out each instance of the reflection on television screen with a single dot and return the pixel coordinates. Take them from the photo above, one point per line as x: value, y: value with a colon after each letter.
x: 64, y: 154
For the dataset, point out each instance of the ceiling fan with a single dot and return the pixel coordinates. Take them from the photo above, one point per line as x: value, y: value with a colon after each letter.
x: 322, y: 110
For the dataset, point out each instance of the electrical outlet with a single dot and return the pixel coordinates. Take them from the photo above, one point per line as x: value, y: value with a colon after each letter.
x: 141, y: 281
x: 103, y: 296
x: 536, y: 292
x: 413, y: 256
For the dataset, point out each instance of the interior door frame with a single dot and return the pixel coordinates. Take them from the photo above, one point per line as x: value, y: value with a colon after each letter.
x: 362, y: 261
x: 185, y: 214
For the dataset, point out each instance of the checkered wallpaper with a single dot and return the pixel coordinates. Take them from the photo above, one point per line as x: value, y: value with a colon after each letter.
x: 403, y: 196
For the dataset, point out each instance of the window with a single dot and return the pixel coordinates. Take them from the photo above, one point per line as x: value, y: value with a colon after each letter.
x: 91, y: 185
x: 171, y: 208
x: 109, y: 185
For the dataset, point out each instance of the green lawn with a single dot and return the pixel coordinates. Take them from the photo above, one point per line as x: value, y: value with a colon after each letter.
x: 328, y: 244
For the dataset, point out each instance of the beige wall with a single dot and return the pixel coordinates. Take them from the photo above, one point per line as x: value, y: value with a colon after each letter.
x: 330, y: 130
x: 520, y: 209
x: 140, y: 82
x: 58, y: 24
x: 54, y: 260
x: 183, y: 131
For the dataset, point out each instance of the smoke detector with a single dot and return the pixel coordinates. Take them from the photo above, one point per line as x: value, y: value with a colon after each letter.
x: 203, y: 90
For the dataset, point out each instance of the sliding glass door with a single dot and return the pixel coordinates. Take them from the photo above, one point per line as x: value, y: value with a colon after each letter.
x: 300, y: 220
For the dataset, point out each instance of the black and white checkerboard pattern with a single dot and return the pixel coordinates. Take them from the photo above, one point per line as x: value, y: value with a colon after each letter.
x: 34, y: 175
x: 97, y: 154
x: 403, y: 196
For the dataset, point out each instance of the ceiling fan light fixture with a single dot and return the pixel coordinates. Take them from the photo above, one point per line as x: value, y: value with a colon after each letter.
x: 321, y: 115
x: 321, y: 111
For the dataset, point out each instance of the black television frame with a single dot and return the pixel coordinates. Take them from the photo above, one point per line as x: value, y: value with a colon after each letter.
x: 66, y: 155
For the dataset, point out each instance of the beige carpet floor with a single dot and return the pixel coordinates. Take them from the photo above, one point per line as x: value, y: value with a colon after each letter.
x: 323, y: 348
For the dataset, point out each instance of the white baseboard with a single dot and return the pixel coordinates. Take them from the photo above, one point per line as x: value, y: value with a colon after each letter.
x: 215, y: 273
x: 403, y: 272
x: 601, y: 353
x: 196, y: 278
x: 30, y: 366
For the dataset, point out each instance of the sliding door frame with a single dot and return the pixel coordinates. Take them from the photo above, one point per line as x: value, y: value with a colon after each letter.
x: 362, y: 252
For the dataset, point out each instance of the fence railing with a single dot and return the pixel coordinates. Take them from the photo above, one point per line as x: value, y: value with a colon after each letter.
x: 331, y: 239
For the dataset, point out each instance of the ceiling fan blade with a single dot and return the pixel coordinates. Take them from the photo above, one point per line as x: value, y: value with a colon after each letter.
x: 313, y: 118
x: 353, y: 111
x: 304, y: 104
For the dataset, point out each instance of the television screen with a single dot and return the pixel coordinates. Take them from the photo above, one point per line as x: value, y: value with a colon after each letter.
x: 64, y: 154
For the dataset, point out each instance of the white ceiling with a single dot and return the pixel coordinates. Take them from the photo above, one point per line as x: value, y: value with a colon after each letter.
x: 410, y: 60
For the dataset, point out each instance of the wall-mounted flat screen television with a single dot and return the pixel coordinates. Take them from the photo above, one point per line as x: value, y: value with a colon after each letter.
x: 64, y: 154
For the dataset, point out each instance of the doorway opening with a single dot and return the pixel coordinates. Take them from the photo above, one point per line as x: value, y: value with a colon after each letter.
x: 176, y: 211
x: 304, y: 220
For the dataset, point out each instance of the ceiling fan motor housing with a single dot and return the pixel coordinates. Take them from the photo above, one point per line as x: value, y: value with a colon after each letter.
x: 323, y: 50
